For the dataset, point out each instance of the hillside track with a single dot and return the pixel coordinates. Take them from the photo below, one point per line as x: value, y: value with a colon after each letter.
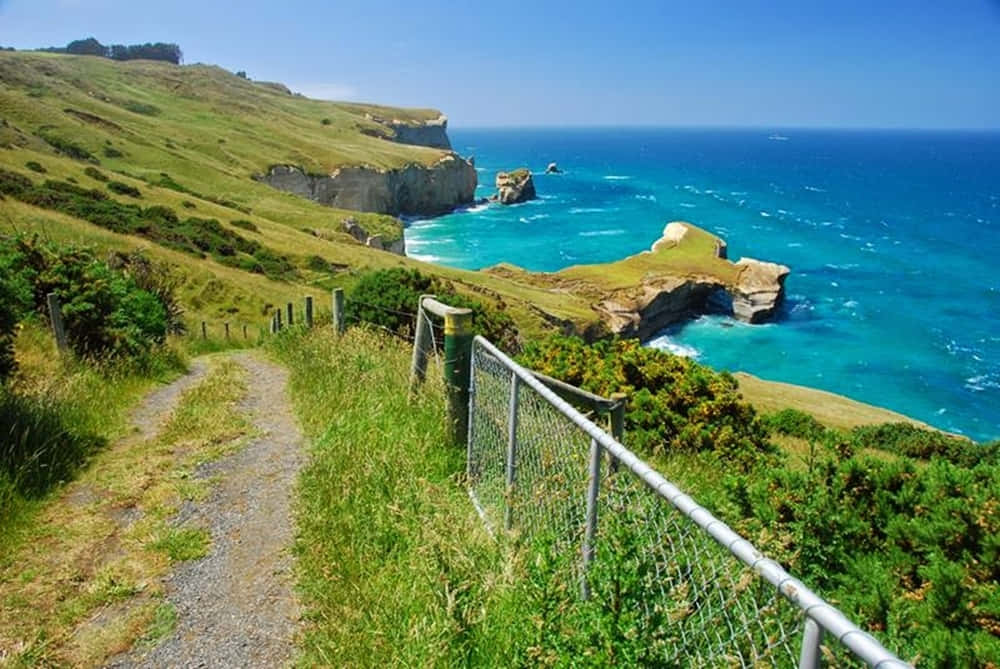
x: 236, y: 606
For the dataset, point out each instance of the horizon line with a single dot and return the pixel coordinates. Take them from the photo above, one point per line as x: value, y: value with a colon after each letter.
x: 680, y: 126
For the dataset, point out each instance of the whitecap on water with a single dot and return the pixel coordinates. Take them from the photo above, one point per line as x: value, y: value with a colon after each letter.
x: 650, y: 198
x: 686, y: 205
x: 665, y: 343
x: 814, y: 189
x: 587, y: 210
x: 765, y: 214
x: 602, y: 233
x: 616, y: 177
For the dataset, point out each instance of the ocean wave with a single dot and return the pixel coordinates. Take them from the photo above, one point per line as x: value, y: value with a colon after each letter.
x: 616, y: 177
x: 588, y: 210
x: 851, y: 304
x: 424, y: 257
x: 784, y: 212
x: 814, y: 189
x: 982, y: 382
x: 794, y: 245
x: 423, y: 224
x: 765, y: 214
x: 686, y: 205
x: 843, y: 266
x: 665, y: 343
x: 537, y: 217
x: 737, y: 193
x: 650, y: 198
x: 602, y: 233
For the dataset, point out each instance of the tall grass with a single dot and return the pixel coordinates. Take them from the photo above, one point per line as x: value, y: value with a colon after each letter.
x: 58, y: 411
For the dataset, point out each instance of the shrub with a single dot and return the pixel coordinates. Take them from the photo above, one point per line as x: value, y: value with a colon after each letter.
x: 326, y: 121
x: 96, y: 174
x: 66, y: 147
x: 917, y: 442
x: 35, y: 167
x: 9, y: 314
x: 388, y: 298
x: 142, y: 108
x: 105, y: 312
x: 124, y: 189
x: 188, y: 204
x: 112, y: 152
x: 795, y: 423
x: 245, y: 225
x: 674, y: 404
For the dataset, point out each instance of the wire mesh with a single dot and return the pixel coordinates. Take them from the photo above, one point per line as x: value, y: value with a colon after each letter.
x: 686, y: 599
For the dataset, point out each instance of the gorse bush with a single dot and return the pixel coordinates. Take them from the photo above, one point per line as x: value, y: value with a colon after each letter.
x: 388, y: 298
x: 910, y: 551
x: 105, y: 312
x: 123, y: 189
x: 197, y: 236
x: 35, y: 166
x: 65, y: 146
x: 96, y: 174
x: 795, y: 423
x: 9, y: 309
x: 674, y: 404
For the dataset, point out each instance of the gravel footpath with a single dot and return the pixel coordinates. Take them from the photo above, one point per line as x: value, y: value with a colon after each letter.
x: 236, y: 606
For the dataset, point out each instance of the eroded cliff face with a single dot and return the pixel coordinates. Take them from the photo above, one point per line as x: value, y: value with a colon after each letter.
x: 413, y: 189
x: 432, y: 133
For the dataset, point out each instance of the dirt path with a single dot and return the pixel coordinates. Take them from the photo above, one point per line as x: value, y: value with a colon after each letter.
x: 236, y: 606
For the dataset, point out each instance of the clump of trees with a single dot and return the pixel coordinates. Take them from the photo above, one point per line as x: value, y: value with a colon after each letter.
x: 164, y: 51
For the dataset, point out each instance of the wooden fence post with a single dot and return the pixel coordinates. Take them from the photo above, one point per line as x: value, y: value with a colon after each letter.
x: 55, y: 315
x: 277, y: 320
x: 421, y: 349
x: 338, y: 310
x: 227, y: 330
x: 457, y: 359
x: 291, y: 314
x: 309, y: 311
x: 245, y: 332
x: 204, y: 331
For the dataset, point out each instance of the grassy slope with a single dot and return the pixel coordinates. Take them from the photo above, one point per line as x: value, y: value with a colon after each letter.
x: 210, y: 131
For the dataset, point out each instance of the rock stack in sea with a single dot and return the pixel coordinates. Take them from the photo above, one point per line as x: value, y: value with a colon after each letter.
x: 514, y: 187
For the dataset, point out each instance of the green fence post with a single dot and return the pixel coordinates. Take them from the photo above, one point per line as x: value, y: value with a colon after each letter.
x: 457, y: 362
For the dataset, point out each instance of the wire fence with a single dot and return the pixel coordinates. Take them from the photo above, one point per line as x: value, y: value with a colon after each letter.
x: 699, y: 594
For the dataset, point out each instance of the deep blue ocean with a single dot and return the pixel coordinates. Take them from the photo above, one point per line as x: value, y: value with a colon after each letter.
x: 893, y: 239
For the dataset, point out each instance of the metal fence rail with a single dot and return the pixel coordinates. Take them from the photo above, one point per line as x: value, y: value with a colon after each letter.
x: 700, y: 595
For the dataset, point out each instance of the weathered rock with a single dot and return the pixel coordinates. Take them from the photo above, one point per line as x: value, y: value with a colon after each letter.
x: 515, y: 187
x: 413, y: 189
x: 656, y: 304
x: 433, y: 133
x: 354, y: 229
x: 553, y: 169
x: 759, y: 289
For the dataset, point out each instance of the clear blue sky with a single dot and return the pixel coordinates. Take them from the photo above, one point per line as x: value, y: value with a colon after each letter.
x: 772, y: 63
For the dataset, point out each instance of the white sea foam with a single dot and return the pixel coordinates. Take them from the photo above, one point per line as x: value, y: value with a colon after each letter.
x: 424, y: 257
x: 665, y: 343
x: 587, y: 210
x: 851, y: 304
x: 602, y: 233
x: 617, y: 177
x: 686, y: 205
x: 765, y: 214
x: 794, y: 245
x: 737, y: 193
x: 814, y: 189
x: 784, y: 212
x: 651, y: 198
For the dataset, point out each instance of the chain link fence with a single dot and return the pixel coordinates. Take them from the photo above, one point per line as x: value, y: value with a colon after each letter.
x: 696, y: 593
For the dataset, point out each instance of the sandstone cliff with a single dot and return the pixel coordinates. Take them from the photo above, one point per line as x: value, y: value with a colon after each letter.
x: 432, y: 133
x: 413, y: 189
x: 514, y: 187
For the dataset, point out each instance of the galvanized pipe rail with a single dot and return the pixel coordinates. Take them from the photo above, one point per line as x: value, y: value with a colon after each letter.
x: 821, y: 617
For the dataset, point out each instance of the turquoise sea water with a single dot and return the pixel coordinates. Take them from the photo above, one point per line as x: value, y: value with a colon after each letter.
x: 893, y: 239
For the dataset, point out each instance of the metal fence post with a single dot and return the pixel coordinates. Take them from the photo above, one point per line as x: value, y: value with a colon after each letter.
x: 810, y: 656
x: 421, y: 344
x: 309, y: 311
x: 55, y: 315
x: 457, y: 357
x: 593, y: 487
x: 508, y: 518
x: 617, y: 426
x: 338, y: 310
x: 291, y: 314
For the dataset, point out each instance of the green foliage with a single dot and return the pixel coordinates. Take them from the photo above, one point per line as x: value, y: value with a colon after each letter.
x: 105, y: 312
x: 9, y: 315
x: 35, y: 166
x: 326, y: 121
x: 913, y: 551
x: 90, y: 46
x: 795, y: 423
x: 65, y: 146
x: 244, y: 224
x: 112, y: 152
x: 142, y: 108
x: 388, y: 298
x: 197, y: 236
x: 95, y: 174
x: 917, y: 442
x: 674, y: 404
x: 124, y: 189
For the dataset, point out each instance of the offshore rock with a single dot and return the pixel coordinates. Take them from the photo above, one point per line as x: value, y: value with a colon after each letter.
x: 759, y: 289
x: 410, y: 190
x: 514, y: 187
x: 553, y: 169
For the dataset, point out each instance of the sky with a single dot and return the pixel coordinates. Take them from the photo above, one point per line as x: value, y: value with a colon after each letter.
x: 760, y: 63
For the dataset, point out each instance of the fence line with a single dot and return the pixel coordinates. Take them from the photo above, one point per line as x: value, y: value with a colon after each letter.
x: 705, y: 595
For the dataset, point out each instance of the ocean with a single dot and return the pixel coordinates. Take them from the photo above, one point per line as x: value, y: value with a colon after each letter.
x: 893, y: 238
